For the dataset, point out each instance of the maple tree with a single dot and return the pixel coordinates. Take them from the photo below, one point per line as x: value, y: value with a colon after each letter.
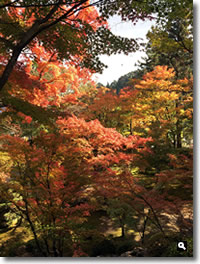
x: 68, y: 22
x: 75, y: 163
x: 168, y: 104
x: 23, y: 23
x: 48, y: 177
x: 158, y: 106
x: 68, y: 148
x: 79, y: 33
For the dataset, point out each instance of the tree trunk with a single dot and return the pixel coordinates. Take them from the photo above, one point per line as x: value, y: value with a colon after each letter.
x: 131, y: 127
x: 174, y: 140
x: 35, y: 237
x: 179, y: 141
x: 123, y: 230
x: 178, y: 131
x: 122, y: 225
x: 26, y: 39
x: 144, y: 228
x: 9, y: 67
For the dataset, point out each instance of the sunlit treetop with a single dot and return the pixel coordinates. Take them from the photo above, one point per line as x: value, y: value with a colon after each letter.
x: 70, y: 28
x: 74, y: 30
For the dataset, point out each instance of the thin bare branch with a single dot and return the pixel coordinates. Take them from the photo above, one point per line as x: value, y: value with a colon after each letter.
x: 9, y: 4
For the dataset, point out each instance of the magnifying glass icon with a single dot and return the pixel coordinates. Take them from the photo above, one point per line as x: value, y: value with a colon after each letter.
x: 181, y: 245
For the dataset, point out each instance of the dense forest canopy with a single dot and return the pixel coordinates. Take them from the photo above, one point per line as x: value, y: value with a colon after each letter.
x: 88, y: 170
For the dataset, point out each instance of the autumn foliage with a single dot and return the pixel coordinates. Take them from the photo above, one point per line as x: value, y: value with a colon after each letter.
x: 57, y: 177
x: 70, y: 150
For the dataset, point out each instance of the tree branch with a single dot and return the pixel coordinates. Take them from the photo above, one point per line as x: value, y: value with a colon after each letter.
x: 68, y: 13
x: 32, y: 5
x: 32, y: 32
x: 52, y: 11
x: 9, y: 4
x: 7, y: 42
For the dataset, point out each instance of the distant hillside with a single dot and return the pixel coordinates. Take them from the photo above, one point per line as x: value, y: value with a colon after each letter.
x: 124, y: 80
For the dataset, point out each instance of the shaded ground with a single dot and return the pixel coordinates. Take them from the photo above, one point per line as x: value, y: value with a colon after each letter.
x: 13, y: 243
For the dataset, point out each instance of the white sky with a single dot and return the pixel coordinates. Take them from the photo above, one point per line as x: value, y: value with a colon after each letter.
x: 121, y: 64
